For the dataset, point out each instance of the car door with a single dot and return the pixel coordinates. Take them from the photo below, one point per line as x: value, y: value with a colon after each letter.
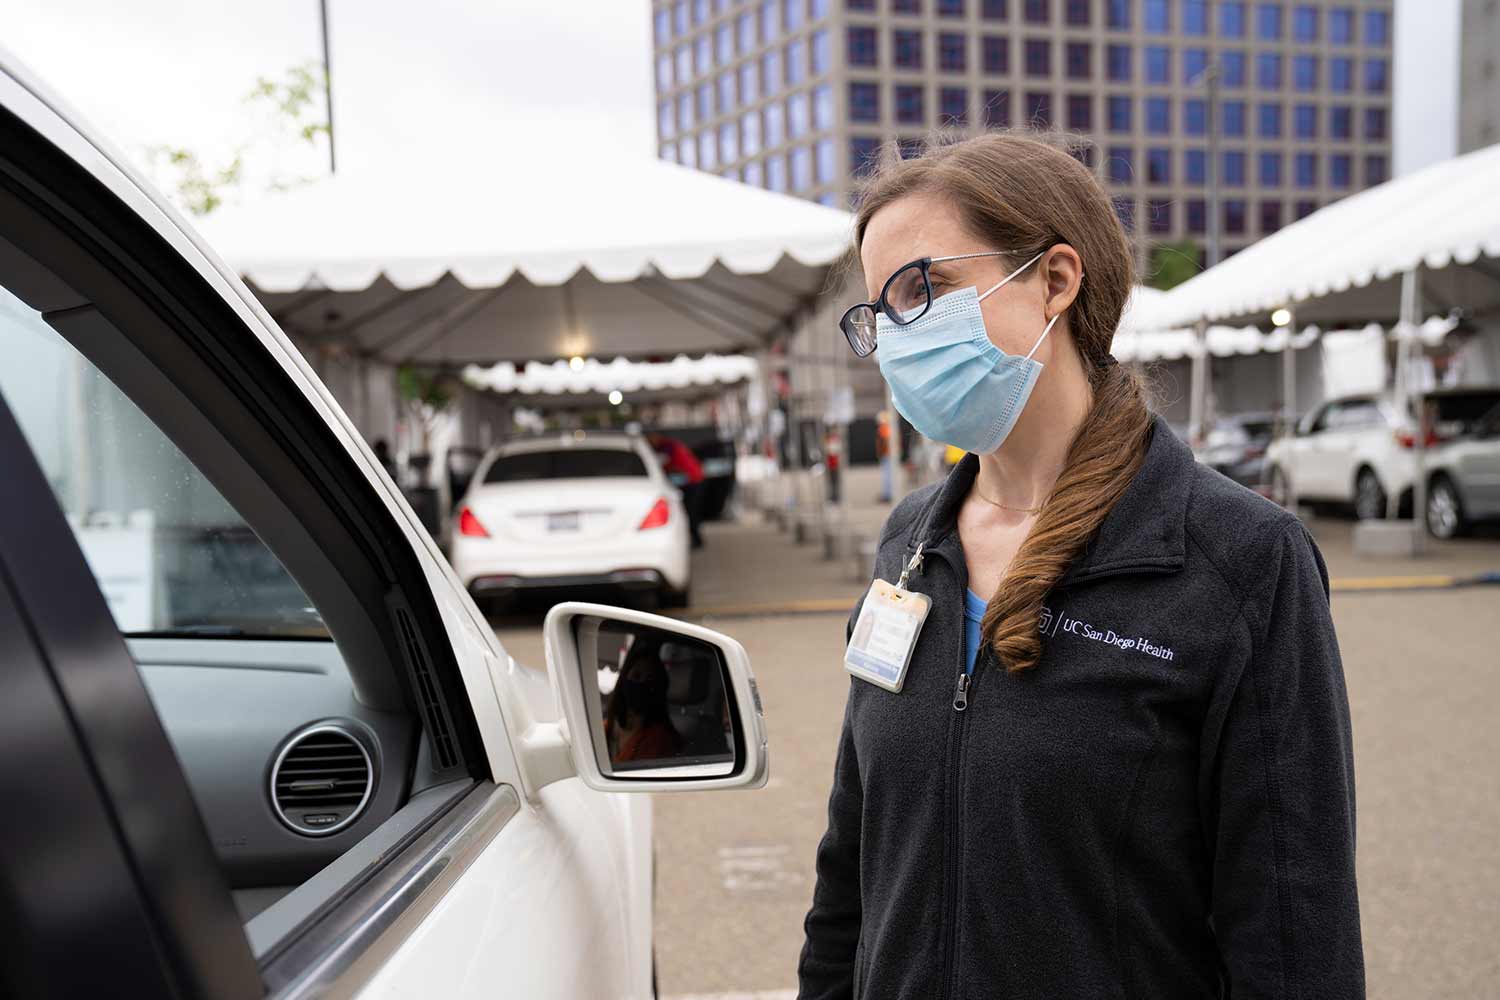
x: 1307, y: 470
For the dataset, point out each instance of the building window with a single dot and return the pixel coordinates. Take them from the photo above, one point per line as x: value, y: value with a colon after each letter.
x: 798, y: 119
x: 1231, y: 19
x: 770, y: 70
x: 1158, y: 17
x: 864, y: 102
x: 1341, y: 122
x: 819, y: 8
x: 1270, y: 217
x: 703, y: 50
x: 684, y: 64
x: 1341, y: 26
x: 820, y: 54
x: 1232, y: 69
x: 1079, y: 12
x: 1305, y: 121
x: 728, y: 102
x: 1340, y: 170
x: 750, y: 133
x: 1080, y: 61
x: 911, y: 102
x: 950, y: 8
x: 686, y: 119
x: 996, y: 54
x: 708, y: 151
x: 859, y: 4
x: 953, y: 52
x: 863, y: 46
x: 1234, y: 215
x: 1375, y: 76
x: 908, y: 48
x: 1195, y: 116
x: 1305, y: 208
x: 796, y: 63
x: 1305, y: 72
x: 1376, y: 128
x: 1083, y: 152
x: 1125, y: 212
x: 688, y: 153
x: 953, y: 106
x: 1039, y: 109
x: 1270, y: 170
x: 1305, y: 23
x: 994, y: 10
x: 1158, y: 64
x: 729, y: 142
x: 1377, y: 170
x: 776, y: 173
x: 1158, y: 216
x: 910, y: 146
x: 662, y: 26
x: 1305, y: 167
x: 1119, y: 58
x: 1038, y: 11
x: 996, y: 109
x: 1234, y: 168
x: 724, y: 44
x: 802, y: 176
x: 823, y: 162
x: 700, y: 11
x: 665, y: 119
x: 1270, y: 121
x: 705, y: 102
x: 1268, y: 71
x: 1118, y: 166
x: 1119, y: 113
x: 1268, y: 22
x: 1195, y: 167
x: 1341, y: 75
x: 1038, y: 57
x: 1195, y: 17
x: 822, y: 107
x: 906, y: 6
x: 864, y: 154
x: 668, y: 152
x: 1117, y: 14
x: 1080, y: 112
x: 744, y: 29
x: 1158, y: 115
x: 1158, y: 166
x: 663, y: 72
x: 1233, y: 115
x: 775, y: 124
x: 1197, y: 216
x: 680, y: 17
x: 749, y: 82
x: 1194, y: 64
x: 1378, y: 27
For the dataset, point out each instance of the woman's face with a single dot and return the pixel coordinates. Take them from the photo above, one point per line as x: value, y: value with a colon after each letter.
x: 926, y: 224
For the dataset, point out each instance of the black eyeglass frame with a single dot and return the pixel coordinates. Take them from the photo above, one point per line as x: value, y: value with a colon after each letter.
x: 882, y: 305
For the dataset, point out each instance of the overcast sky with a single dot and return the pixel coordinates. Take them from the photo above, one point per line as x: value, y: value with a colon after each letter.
x: 415, y: 84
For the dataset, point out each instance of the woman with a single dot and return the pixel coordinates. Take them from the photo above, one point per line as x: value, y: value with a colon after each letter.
x: 1119, y: 761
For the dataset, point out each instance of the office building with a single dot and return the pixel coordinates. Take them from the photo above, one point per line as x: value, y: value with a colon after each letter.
x: 1479, y: 75
x: 799, y: 96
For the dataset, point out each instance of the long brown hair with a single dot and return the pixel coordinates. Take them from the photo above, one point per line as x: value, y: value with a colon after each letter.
x: 1024, y: 195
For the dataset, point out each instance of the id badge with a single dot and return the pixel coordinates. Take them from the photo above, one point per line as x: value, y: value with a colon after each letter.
x: 881, y: 645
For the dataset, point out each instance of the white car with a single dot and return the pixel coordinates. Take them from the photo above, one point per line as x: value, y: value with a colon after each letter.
x: 572, y: 511
x: 255, y: 736
x: 1360, y: 451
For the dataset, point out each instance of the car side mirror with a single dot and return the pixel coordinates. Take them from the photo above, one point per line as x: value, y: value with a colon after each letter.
x: 653, y: 704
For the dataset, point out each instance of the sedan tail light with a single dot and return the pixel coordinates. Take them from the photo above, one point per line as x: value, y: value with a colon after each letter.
x: 1407, y: 439
x: 657, y: 516
x: 469, y: 525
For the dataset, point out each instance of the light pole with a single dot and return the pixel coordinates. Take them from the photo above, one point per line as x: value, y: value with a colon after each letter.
x: 327, y: 82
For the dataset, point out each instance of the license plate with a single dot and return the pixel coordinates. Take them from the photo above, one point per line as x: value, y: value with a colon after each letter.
x: 563, y: 521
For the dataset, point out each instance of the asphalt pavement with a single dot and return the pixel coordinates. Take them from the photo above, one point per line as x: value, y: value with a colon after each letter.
x: 735, y: 870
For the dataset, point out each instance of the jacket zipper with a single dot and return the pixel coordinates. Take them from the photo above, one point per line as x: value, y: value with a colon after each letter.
x: 952, y: 831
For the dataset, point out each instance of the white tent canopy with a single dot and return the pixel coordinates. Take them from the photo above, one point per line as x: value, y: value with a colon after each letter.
x: 1342, y: 264
x: 621, y: 375
x: 532, y: 259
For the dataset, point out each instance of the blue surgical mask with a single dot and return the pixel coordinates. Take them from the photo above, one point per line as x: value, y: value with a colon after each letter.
x: 949, y: 380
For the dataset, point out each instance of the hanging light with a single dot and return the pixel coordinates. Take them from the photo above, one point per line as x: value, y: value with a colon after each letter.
x: 575, y: 363
x: 1281, y: 317
x: 616, y: 397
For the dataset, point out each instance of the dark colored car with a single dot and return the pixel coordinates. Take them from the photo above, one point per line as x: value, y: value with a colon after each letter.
x: 1236, y: 447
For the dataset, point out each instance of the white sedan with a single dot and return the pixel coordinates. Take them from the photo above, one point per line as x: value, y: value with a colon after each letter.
x: 573, y: 511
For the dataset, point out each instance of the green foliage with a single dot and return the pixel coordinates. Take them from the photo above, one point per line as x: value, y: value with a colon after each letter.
x: 198, y: 187
x: 1171, y: 264
x: 423, y: 388
x: 294, y: 99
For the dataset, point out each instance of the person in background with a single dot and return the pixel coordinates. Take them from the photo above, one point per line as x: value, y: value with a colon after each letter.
x: 833, y: 450
x: 683, y: 468
x: 883, y: 453
x: 382, y: 449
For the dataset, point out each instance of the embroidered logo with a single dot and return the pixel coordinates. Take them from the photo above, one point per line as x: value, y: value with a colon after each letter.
x: 1054, y: 622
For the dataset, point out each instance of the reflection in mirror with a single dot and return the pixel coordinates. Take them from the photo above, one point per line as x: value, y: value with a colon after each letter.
x: 662, y: 699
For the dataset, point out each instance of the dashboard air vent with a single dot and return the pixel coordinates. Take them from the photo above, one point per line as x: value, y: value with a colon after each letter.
x: 321, y: 780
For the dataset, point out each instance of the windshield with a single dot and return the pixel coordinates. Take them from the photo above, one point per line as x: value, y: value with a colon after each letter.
x: 569, y: 463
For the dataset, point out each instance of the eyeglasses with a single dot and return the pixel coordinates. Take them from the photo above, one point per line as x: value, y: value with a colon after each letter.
x: 906, y: 297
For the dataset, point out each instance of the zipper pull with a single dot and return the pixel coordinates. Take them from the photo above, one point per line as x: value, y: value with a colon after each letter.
x: 961, y: 696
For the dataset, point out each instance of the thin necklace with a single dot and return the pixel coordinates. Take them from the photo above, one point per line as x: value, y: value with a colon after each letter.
x: 1003, y: 506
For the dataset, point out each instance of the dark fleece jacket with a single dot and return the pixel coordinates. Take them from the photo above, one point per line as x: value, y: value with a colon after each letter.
x: 1162, y: 808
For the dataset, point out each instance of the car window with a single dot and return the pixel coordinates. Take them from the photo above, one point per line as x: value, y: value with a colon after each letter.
x: 1323, y: 420
x: 171, y: 556
x: 569, y: 463
x: 1466, y: 412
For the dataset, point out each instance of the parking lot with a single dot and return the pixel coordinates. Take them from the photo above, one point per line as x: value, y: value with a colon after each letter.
x: 735, y: 873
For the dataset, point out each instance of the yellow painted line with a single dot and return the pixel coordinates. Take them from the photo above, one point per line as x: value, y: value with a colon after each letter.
x: 1359, y: 583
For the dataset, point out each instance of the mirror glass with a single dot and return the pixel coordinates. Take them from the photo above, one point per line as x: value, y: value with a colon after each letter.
x: 656, y: 699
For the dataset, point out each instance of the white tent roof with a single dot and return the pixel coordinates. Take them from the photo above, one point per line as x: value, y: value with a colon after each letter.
x: 592, y: 376
x: 1344, y: 261
x: 532, y: 259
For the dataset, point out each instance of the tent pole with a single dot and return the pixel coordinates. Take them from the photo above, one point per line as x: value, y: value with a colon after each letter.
x: 1289, y: 397
x: 1197, y: 395
x: 1411, y: 308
